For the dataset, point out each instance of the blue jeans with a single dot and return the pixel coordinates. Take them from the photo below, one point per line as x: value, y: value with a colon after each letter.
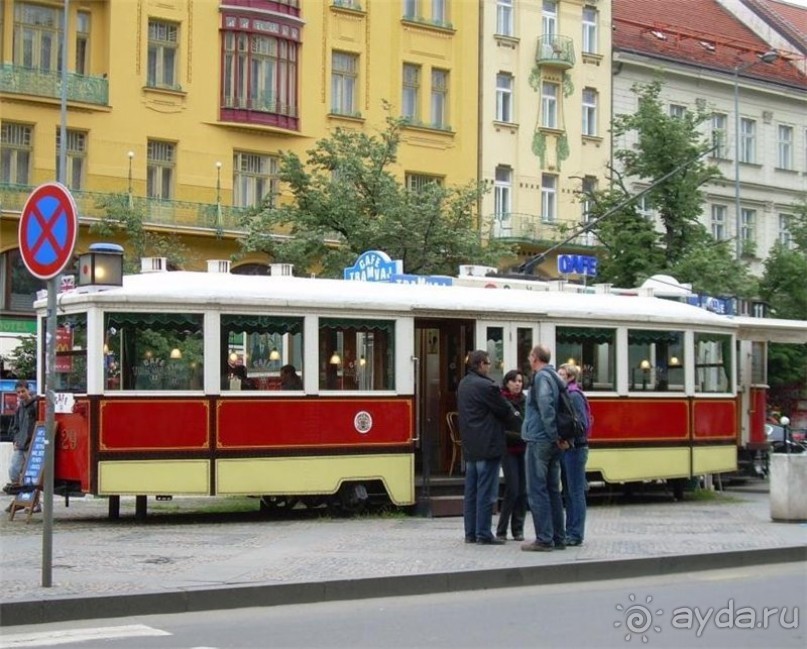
x: 16, y: 466
x: 514, y: 503
x: 481, y: 491
x: 543, y: 492
x: 574, y: 468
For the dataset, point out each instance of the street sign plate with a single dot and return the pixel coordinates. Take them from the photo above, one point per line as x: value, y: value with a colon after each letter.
x: 48, y: 230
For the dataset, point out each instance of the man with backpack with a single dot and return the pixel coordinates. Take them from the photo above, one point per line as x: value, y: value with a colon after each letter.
x: 544, y: 449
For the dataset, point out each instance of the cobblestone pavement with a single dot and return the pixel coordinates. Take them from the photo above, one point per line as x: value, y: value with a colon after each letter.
x: 182, y: 545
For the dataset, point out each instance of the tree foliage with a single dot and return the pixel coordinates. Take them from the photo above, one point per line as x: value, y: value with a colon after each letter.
x: 23, y: 358
x: 124, y: 219
x: 346, y: 199
x: 681, y: 246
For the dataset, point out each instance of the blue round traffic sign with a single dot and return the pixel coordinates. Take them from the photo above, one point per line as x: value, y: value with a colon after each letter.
x: 48, y: 230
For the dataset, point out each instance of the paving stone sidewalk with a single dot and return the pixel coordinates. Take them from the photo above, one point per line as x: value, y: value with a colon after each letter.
x: 180, y: 550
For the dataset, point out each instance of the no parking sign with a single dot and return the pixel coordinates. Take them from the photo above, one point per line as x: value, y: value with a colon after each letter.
x: 48, y: 230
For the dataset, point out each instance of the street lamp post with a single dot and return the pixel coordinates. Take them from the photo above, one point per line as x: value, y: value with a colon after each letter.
x: 219, y: 217
x: 768, y: 57
x: 131, y: 200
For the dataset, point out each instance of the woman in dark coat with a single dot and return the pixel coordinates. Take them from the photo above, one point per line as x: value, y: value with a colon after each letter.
x: 514, y: 504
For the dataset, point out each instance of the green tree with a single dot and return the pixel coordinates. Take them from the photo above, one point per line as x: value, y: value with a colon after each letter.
x: 23, y: 358
x: 683, y: 247
x: 124, y: 220
x: 346, y: 199
x: 783, y: 287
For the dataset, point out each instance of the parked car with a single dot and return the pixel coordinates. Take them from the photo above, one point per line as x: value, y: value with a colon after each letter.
x: 776, y: 438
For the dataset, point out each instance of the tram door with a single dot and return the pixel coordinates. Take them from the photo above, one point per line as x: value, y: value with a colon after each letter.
x: 441, y: 346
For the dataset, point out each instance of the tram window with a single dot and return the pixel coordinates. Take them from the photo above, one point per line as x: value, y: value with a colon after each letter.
x: 356, y: 354
x: 255, y: 347
x: 153, y: 351
x: 70, y: 370
x: 494, y: 344
x: 594, y: 350
x: 655, y: 359
x: 524, y: 346
x: 758, y: 365
x: 712, y: 362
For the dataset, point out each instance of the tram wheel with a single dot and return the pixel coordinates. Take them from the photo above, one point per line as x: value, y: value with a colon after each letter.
x: 349, y: 500
x: 277, y: 503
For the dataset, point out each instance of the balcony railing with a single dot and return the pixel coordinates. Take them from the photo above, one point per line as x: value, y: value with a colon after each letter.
x: 16, y: 79
x: 529, y: 227
x: 555, y: 50
x: 156, y: 212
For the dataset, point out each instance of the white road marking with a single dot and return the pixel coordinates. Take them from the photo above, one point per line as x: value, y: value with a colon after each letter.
x: 51, y: 638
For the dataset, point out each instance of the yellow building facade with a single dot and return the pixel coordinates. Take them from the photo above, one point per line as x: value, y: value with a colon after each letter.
x: 181, y: 107
x: 545, y: 117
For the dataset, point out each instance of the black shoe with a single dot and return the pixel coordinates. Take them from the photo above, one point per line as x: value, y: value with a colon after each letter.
x: 559, y: 545
x: 518, y: 537
x: 503, y: 537
x: 491, y: 541
x: 470, y: 539
x: 536, y: 546
x: 573, y: 542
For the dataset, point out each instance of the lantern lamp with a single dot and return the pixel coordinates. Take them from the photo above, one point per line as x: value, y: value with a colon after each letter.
x: 101, y: 266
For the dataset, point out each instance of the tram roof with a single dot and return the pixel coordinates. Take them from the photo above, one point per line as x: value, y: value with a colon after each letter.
x: 185, y: 290
x: 772, y: 330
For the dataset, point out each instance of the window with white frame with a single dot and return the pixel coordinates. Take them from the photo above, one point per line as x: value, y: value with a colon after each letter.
x: 748, y: 140
x: 504, y: 97
x: 785, y: 148
x: 418, y: 182
x: 719, y: 222
x: 37, y: 37
x: 589, y: 187
x: 163, y: 54
x: 16, y: 150
x: 160, y: 169
x: 439, y: 103
x: 440, y: 12
x: 504, y: 17
x: 75, y: 155
x: 677, y: 111
x: 410, y: 104
x: 549, y: 105
x: 83, y: 42
x: 748, y: 225
x: 502, y: 192
x: 255, y: 179
x: 589, y: 111
x: 590, y: 18
x: 549, y: 18
x: 645, y: 208
x: 549, y: 190
x: 785, y: 237
x: 344, y: 83
x: 719, y: 135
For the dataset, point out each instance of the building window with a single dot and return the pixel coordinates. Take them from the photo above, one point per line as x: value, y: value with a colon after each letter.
x: 502, y: 192
x: 344, y: 83
x: 259, y: 82
x: 719, y: 135
x: 589, y: 30
x: 645, y: 208
x: 748, y: 219
x: 719, y: 222
x: 432, y: 11
x: 785, y: 157
x: 589, y: 111
x: 418, y: 182
x: 410, y: 105
x: 440, y: 99
x: 82, y: 42
x: 504, y: 97
x: 37, y: 37
x: 255, y: 178
x: 549, y: 105
x: 16, y: 149
x: 163, y: 46
x: 160, y: 171
x: 748, y: 140
x: 76, y: 156
x: 440, y: 12
x: 549, y: 18
x: 785, y: 237
x: 677, y: 111
x: 549, y: 189
x: 504, y: 17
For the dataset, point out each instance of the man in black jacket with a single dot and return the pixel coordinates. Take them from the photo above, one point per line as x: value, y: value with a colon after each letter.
x: 22, y: 430
x: 484, y: 415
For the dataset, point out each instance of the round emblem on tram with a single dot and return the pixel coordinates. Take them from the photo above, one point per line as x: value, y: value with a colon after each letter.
x: 363, y: 422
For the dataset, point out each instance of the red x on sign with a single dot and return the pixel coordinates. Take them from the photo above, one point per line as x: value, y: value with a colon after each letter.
x: 48, y: 230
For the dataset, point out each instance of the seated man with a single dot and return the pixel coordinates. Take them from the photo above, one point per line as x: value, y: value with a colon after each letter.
x: 289, y: 379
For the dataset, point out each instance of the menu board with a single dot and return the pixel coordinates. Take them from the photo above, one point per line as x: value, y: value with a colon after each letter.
x: 32, y: 475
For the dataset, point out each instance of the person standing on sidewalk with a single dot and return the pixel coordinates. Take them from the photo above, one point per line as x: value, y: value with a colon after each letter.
x: 573, y: 462
x: 484, y: 415
x: 544, y: 449
x: 21, y: 431
x: 514, y: 504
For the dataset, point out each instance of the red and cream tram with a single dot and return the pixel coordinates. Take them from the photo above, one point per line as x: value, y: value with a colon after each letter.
x: 171, y: 383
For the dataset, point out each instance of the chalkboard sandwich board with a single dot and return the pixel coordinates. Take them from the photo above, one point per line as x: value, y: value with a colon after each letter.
x: 31, y: 489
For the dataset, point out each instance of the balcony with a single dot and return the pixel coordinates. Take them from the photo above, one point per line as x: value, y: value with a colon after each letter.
x: 557, y: 51
x: 156, y: 212
x: 532, y: 228
x: 15, y: 79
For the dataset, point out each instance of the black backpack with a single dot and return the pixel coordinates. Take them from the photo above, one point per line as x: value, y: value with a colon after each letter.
x: 570, y: 425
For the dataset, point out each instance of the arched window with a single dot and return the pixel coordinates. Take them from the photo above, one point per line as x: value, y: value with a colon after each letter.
x: 19, y: 287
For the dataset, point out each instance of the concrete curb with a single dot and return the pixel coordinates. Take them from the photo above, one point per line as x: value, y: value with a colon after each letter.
x: 42, y: 611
